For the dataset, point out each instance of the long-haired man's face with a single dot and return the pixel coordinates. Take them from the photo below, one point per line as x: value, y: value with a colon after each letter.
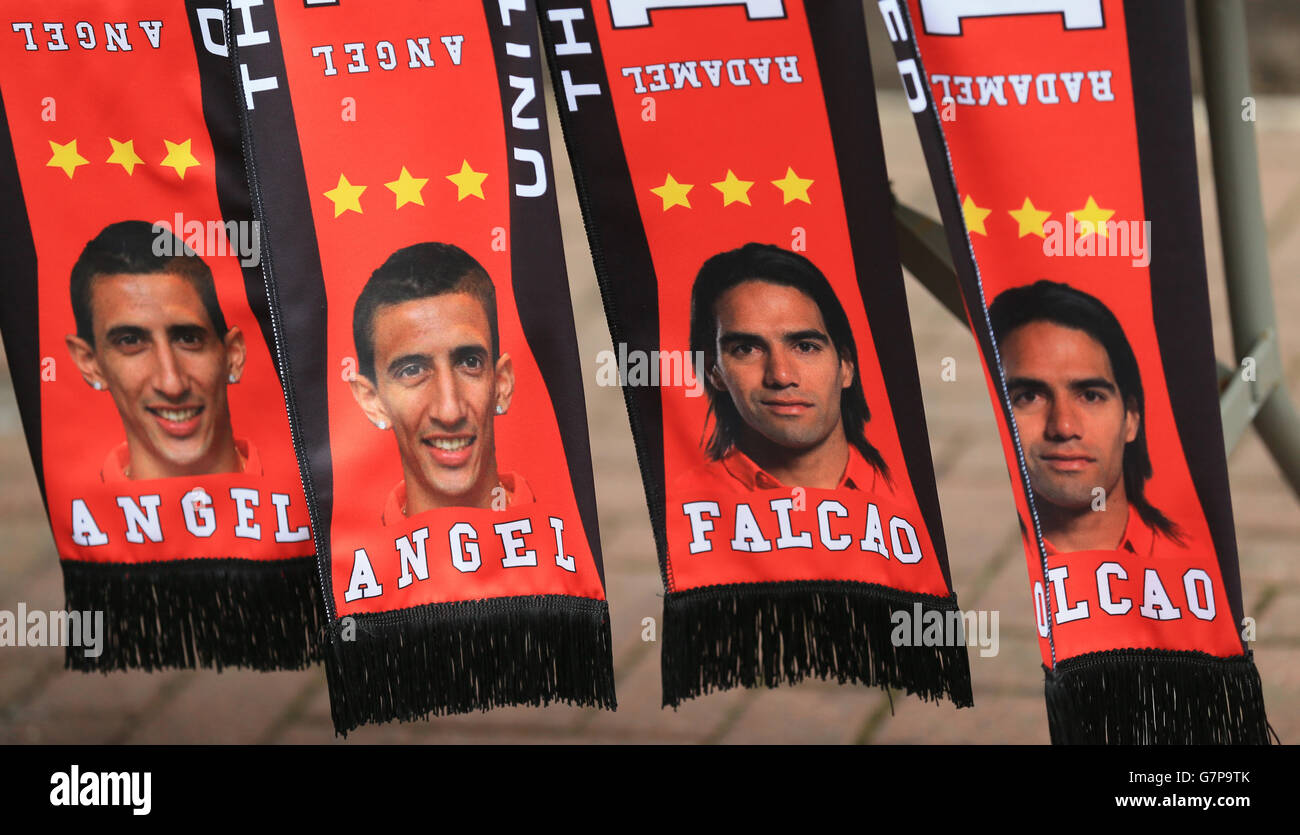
x: 438, y: 388
x: 776, y: 359
x: 159, y: 356
x: 1073, y: 421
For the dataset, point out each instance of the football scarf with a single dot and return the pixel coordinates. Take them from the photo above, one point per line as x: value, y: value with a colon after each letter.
x: 729, y: 163
x: 139, y: 341
x: 401, y: 167
x: 1060, y: 143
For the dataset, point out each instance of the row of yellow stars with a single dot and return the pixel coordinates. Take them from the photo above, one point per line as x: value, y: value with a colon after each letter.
x: 734, y: 190
x: 179, y: 157
x: 346, y: 197
x: 1030, y: 218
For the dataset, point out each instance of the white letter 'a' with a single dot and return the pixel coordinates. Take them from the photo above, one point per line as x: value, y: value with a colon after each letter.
x: 362, y: 583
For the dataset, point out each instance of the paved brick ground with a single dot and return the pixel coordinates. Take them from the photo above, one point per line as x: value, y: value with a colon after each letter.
x: 40, y: 702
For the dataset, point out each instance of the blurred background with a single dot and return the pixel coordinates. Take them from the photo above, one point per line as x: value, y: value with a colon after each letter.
x: 41, y: 702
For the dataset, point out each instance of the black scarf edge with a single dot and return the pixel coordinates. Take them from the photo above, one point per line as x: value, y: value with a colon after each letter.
x: 1156, y: 697
x: 200, y: 613
x: 769, y: 634
x: 467, y: 656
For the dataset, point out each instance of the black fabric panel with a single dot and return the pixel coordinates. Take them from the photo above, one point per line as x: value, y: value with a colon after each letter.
x: 628, y: 284
x: 537, y: 266
x: 19, y: 322
x: 291, y: 261
x: 840, y: 42
x: 220, y: 94
x: 1162, y: 97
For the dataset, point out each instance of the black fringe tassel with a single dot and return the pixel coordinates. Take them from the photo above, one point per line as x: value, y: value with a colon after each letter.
x: 448, y: 658
x: 1155, y: 697
x: 768, y: 634
x: 199, y: 613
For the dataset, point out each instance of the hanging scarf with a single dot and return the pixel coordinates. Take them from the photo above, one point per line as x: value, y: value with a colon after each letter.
x: 729, y: 164
x: 1060, y: 144
x: 136, y: 328
x: 401, y: 167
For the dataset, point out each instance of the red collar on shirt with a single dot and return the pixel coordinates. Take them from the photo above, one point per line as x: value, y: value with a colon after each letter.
x: 858, y: 474
x: 1138, y: 539
x: 119, y: 458
x: 517, y: 492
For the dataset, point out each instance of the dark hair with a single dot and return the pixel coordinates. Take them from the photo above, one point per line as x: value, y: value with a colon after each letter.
x: 133, y: 247
x: 417, y: 272
x: 772, y: 264
x: 1061, y: 304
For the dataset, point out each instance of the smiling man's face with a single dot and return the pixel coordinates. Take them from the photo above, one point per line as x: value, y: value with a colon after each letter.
x: 1073, y: 421
x: 157, y: 353
x: 437, y: 386
x: 776, y: 360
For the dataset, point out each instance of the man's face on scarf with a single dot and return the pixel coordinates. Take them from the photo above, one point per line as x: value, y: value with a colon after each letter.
x: 159, y: 356
x: 776, y: 360
x: 1072, y: 419
x: 438, y: 387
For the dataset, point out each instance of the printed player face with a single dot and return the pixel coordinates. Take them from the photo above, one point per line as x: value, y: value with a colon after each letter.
x: 159, y: 356
x: 776, y: 359
x: 1072, y: 421
x: 437, y: 387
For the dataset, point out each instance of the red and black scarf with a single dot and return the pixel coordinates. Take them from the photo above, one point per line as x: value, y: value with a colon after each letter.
x: 729, y: 164
x: 400, y: 165
x: 140, y: 343
x: 296, y: 267
x: 1060, y: 145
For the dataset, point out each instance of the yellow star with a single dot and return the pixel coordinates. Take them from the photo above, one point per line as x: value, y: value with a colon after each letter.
x: 1030, y: 219
x: 1092, y: 217
x: 407, y: 188
x: 345, y: 197
x: 124, y: 155
x: 734, y: 189
x: 673, y: 193
x: 66, y: 157
x: 468, y: 181
x: 793, y: 187
x: 974, y: 216
x: 179, y: 157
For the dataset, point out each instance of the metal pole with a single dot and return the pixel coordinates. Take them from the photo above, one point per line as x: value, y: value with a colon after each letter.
x: 1221, y: 28
x: 923, y: 249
